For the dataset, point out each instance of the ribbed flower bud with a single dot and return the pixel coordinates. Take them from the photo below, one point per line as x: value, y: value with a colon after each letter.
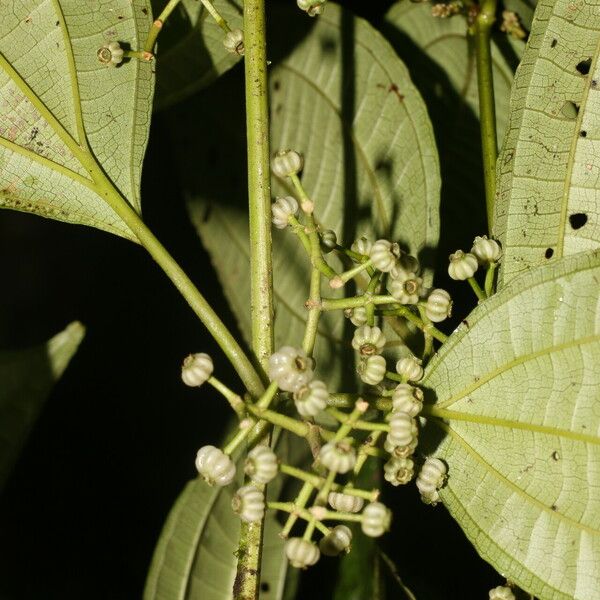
x: 486, y: 250
x: 345, y: 502
x: 406, y: 287
x: 311, y: 399
x: 196, y: 369
x: 403, y: 429
x: 214, y: 466
x: 328, y: 240
x: 400, y: 451
x: 407, y: 399
x: 312, y: 7
x: 410, y: 367
x: 249, y: 503
x: 384, y: 255
x: 337, y: 456
x: 362, y: 245
x: 282, y: 209
x: 286, y: 163
x: 438, y: 306
x: 398, y: 471
x: 430, y: 479
x: 111, y: 54
x: 261, y: 465
x: 290, y: 368
x: 301, y: 553
x: 372, y: 369
x: 357, y: 316
x: 234, y: 42
x: 502, y: 592
x: 336, y: 541
x: 368, y: 340
x: 376, y: 519
x: 462, y: 265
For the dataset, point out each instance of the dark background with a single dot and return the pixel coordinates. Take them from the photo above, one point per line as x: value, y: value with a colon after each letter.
x: 114, y: 446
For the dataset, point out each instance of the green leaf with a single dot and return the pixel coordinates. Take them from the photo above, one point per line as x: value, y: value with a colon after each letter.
x: 195, y: 556
x: 26, y: 378
x: 66, y: 116
x: 370, y: 166
x: 441, y: 60
x: 190, y: 52
x: 548, y: 198
x: 517, y: 396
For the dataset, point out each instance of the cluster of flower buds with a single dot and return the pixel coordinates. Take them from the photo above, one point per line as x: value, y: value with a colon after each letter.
x: 464, y: 265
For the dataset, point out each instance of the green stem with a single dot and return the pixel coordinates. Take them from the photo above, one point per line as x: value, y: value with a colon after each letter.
x: 345, y: 400
x: 234, y: 400
x: 214, y: 13
x: 476, y: 288
x: 370, y: 310
x: 355, y: 301
x: 299, y: 504
x: 342, y: 417
x: 314, y: 303
x: 299, y: 428
x: 481, y: 31
x: 370, y: 443
x: 489, y: 279
x: 296, y: 511
x: 157, y: 25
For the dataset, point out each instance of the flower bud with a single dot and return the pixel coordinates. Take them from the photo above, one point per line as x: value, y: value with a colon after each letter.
x: 462, y: 266
x: 311, y: 399
x: 486, y: 250
x: 357, y: 316
x: 398, y: 471
x: 376, y: 519
x: 234, y: 42
x: 336, y: 541
x: 196, y: 369
x: 261, y: 465
x: 410, y: 368
x: 406, y: 287
x: 407, y: 399
x: 286, y: 163
x: 372, y: 369
x: 438, y: 306
x: 328, y: 240
x: 281, y: 211
x: 312, y: 7
x: 430, y: 479
x: 111, y: 54
x: 249, y: 503
x: 501, y: 592
x: 362, y: 245
x: 368, y: 340
x: 214, y: 466
x: 337, y: 456
x: 400, y: 451
x: 403, y: 429
x: 301, y: 553
x: 345, y: 502
x: 384, y: 255
x: 290, y: 368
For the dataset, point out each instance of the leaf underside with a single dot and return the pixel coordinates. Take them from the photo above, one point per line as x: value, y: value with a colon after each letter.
x: 62, y: 110
x: 26, y: 378
x: 548, y: 196
x: 518, y: 408
x: 370, y: 166
x: 191, y: 54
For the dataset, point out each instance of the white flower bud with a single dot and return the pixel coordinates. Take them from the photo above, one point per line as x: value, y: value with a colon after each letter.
x: 384, y: 255
x: 311, y: 399
x: 398, y: 471
x: 357, y: 316
x: 111, y: 54
x: 290, y: 368
x: 368, y: 340
x: 438, y: 306
x: 301, y: 553
x: 376, y: 519
x: 407, y: 399
x: 261, y: 465
x: 345, y: 502
x: 501, y: 592
x: 462, y: 266
x: 486, y: 250
x: 400, y: 451
x: 337, y: 456
x: 410, y: 367
x: 372, y: 369
x: 214, y: 466
x: 430, y: 479
x: 362, y: 245
x: 249, y: 503
x: 406, y: 287
x: 234, y: 42
x: 312, y: 7
x: 196, y: 369
x: 286, y: 163
x: 403, y: 429
x: 328, y: 240
x: 281, y: 211
x: 336, y: 541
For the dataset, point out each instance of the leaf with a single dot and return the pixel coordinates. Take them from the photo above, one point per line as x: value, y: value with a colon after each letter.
x: 195, y: 559
x: 26, y: 379
x: 548, y: 198
x: 369, y: 155
x: 441, y: 62
x: 64, y: 114
x: 517, y: 402
x: 190, y: 52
